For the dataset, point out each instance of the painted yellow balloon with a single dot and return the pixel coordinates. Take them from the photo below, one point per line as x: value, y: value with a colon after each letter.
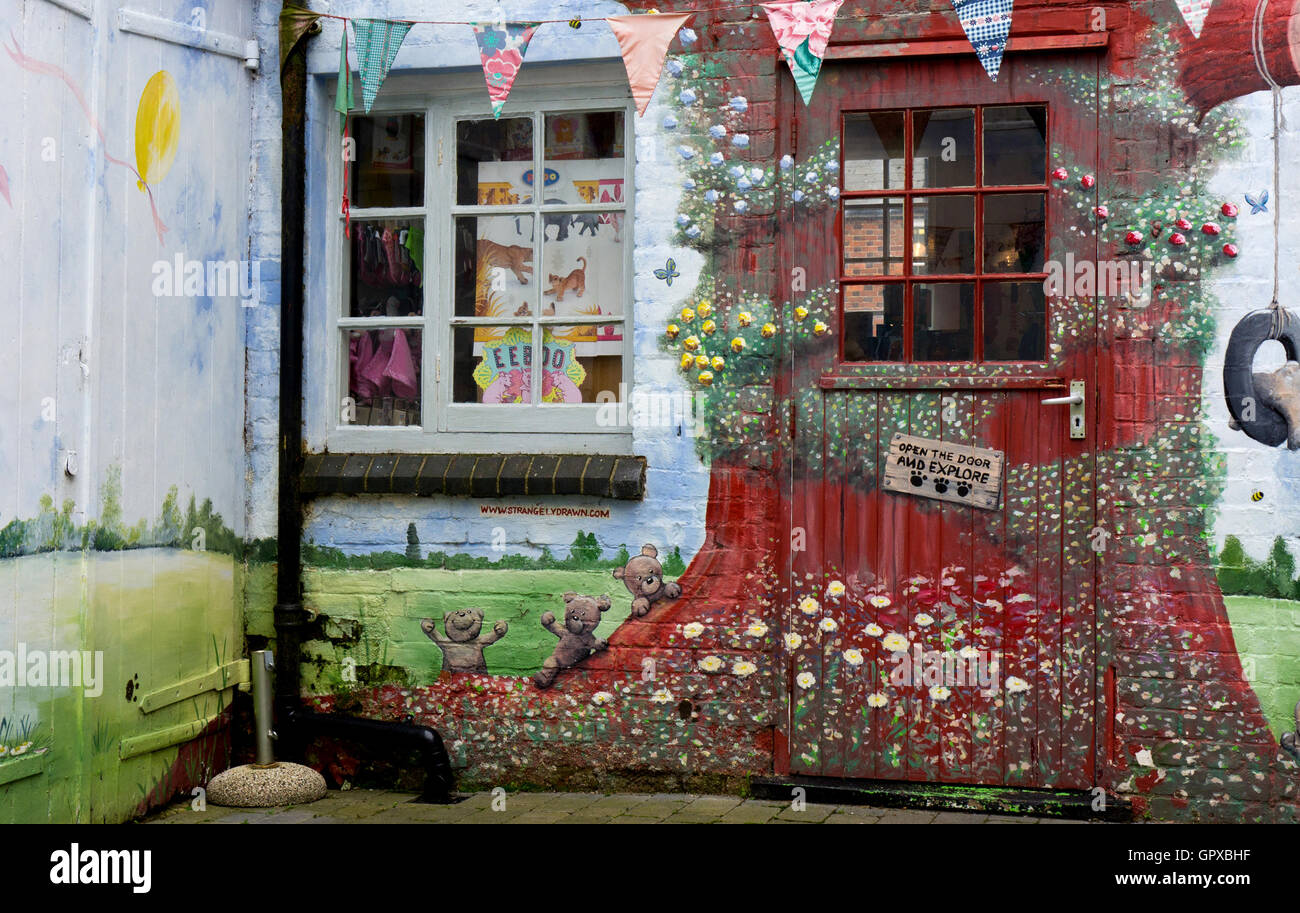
x: 157, y: 128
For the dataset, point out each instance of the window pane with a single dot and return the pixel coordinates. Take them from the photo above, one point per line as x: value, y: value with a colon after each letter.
x: 873, y: 151
x: 579, y: 362
x: 943, y: 234
x: 494, y: 266
x: 943, y: 322
x: 582, y: 255
x: 388, y: 169
x: 943, y: 148
x: 383, y: 376
x: 480, y: 144
x: 386, y: 270
x: 1015, y: 321
x: 1013, y: 233
x: 1015, y: 145
x: 873, y: 237
x: 873, y: 322
x: 492, y: 365
x: 587, y: 135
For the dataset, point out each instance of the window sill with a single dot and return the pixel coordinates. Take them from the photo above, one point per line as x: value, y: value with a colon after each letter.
x: 472, y: 475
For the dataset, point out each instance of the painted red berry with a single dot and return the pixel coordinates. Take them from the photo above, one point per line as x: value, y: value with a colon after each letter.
x: 1177, y: 239
x: 1059, y: 174
x: 1102, y: 212
x: 1087, y: 181
x: 1210, y: 228
x: 1229, y: 210
x: 1230, y: 250
x: 1133, y: 238
x: 1183, y: 225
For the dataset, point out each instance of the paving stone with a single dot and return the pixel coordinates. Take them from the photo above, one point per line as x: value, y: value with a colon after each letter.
x: 654, y: 808
x: 959, y: 818
x: 907, y: 816
x: 838, y: 817
x: 813, y: 813
x: 751, y: 813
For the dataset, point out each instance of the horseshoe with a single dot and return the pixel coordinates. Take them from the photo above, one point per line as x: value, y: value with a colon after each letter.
x: 1269, y: 426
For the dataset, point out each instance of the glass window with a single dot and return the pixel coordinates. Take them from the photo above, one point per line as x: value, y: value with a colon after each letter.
x: 967, y: 285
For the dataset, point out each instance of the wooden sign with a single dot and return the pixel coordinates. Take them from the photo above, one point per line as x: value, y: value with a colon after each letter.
x: 944, y: 471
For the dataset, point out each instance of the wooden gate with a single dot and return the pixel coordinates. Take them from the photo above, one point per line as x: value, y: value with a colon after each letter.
x: 928, y: 639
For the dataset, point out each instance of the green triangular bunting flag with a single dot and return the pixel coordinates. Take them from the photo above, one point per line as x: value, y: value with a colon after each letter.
x: 378, y: 41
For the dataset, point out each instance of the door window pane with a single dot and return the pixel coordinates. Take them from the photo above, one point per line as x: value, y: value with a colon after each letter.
x: 1015, y: 321
x: 1013, y: 232
x: 494, y: 278
x: 873, y: 151
x: 943, y: 234
x: 943, y: 148
x: 873, y: 237
x: 1015, y: 145
x: 873, y: 322
x: 387, y: 167
x: 579, y: 362
x: 493, y: 364
x: 584, y: 135
x: 943, y: 325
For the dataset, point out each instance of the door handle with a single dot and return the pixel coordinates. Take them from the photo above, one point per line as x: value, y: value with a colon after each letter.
x: 1078, y: 428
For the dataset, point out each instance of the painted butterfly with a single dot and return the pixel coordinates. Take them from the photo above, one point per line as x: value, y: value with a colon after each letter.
x: 669, y: 272
x: 1260, y: 205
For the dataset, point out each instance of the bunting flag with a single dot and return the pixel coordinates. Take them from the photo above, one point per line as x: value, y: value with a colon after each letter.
x: 344, y: 99
x: 987, y: 24
x: 644, y: 42
x: 502, y: 46
x: 295, y: 22
x: 1194, y: 13
x: 378, y: 41
x: 802, y: 31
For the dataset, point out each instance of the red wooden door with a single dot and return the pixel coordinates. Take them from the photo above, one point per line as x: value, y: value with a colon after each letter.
x: 943, y: 219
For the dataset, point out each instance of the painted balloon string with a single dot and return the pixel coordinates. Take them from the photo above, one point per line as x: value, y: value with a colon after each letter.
x: 33, y: 65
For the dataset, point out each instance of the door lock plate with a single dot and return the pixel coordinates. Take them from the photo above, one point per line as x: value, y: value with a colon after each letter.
x: 1078, y: 427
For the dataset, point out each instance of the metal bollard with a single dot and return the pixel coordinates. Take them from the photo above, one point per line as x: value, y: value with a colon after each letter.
x: 263, y: 695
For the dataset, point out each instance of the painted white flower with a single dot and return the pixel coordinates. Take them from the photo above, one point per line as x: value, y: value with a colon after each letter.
x: 744, y: 667
x: 744, y: 185
x: 911, y: 589
x: 876, y: 700
x: 687, y: 97
x: 601, y: 698
x: 1014, y: 572
x: 835, y: 588
x: 809, y: 606
x: 880, y: 602
x: 693, y: 231
x: 756, y: 629
x: 950, y: 581
x: 740, y: 104
x: 662, y: 696
x: 792, y: 641
x: 918, y: 580
x: 853, y: 656
x: 687, y: 36
x: 833, y: 192
x: 797, y: 196
x: 828, y: 625
x: 710, y: 664
x: 993, y: 604
x: 717, y: 131
x: 805, y: 680
x: 740, y: 140
x: 969, y: 653
x: 692, y: 630
x: 787, y: 162
x: 939, y: 693
x: 716, y: 159
x: 1016, y: 685
x: 874, y: 630
x: 740, y: 206
x: 923, y: 620
x: 895, y: 643
x: 1021, y: 597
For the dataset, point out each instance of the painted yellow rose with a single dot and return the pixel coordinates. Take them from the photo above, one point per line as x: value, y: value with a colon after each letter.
x: 708, y: 328
x: 687, y: 360
x: 744, y: 318
x: 702, y: 362
x: 687, y: 315
x: 718, y: 363
x: 706, y: 378
x: 769, y: 330
x: 673, y: 330
x: 800, y: 312
x: 737, y: 345
x: 820, y: 329
x: 704, y: 309
x: 691, y: 343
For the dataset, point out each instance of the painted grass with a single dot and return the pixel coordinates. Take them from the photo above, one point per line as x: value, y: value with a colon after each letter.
x: 1267, y: 632
x: 388, y: 606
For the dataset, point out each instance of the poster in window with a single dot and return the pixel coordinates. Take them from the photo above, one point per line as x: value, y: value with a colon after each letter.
x: 391, y: 145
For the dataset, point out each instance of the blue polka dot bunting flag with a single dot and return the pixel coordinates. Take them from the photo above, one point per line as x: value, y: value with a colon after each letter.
x: 987, y: 24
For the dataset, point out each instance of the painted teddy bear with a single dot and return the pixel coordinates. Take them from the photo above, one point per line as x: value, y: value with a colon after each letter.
x: 577, y: 638
x: 462, y: 648
x: 644, y: 578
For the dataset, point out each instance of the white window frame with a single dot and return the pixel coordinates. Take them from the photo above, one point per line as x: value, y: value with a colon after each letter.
x: 475, y: 427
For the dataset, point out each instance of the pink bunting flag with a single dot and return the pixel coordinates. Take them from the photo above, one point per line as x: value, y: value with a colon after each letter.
x: 802, y: 31
x: 644, y: 42
x: 501, y: 47
x: 1194, y: 13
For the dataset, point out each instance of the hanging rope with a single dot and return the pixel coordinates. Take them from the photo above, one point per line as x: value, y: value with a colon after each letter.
x: 1281, y: 317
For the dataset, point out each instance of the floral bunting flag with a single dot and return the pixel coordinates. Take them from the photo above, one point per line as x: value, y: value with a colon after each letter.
x: 1194, y: 13
x: 502, y: 46
x: 802, y: 31
x: 378, y: 41
x: 987, y: 24
x: 644, y: 42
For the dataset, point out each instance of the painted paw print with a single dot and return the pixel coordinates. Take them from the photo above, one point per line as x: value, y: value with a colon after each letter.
x: 133, y: 688
x: 963, y: 490
x: 940, y: 486
x: 917, y: 479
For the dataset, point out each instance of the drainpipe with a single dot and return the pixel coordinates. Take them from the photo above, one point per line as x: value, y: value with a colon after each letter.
x: 296, y: 725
